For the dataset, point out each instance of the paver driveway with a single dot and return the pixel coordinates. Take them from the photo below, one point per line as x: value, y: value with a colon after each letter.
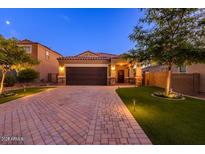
x: 70, y: 115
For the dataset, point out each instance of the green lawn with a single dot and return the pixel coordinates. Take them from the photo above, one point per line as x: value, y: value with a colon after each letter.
x: 165, y: 121
x: 20, y: 93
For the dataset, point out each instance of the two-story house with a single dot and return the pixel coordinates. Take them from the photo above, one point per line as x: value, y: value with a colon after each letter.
x: 47, y: 57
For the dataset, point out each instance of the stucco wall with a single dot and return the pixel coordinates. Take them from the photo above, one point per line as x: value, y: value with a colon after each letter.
x: 34, y: 52
x: 46, y: 66
x: 63, y: 62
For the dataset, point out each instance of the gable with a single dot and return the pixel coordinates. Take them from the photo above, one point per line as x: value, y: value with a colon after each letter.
x: 87, y: 54
x: 26, y: 41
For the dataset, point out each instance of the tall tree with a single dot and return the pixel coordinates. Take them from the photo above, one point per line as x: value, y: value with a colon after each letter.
x: 170, y: 37
x: 136, y: 56
x: 12, y: 56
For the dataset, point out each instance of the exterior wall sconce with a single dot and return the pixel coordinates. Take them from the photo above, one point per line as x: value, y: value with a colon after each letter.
x: 135, y: 66
x: 113, y: 68
x: 61, y: 68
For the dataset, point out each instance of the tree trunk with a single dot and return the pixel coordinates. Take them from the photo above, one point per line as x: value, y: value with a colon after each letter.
x: 24, y: 87
x: 2, y: 82
x: 168, y: 84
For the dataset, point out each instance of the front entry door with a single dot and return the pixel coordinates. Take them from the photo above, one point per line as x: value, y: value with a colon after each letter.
x: 121, y: 76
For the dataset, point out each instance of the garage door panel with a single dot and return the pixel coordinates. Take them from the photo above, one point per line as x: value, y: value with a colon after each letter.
x: 86, y: 75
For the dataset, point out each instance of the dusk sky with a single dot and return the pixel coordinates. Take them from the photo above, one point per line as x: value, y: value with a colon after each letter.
x: 72, y: 31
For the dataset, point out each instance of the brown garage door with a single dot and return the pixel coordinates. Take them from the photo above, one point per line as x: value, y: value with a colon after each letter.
x: 86, y: 75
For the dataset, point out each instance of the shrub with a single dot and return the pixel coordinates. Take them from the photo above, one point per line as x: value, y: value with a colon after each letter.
x: 10, y: 80
x: 27, y: 75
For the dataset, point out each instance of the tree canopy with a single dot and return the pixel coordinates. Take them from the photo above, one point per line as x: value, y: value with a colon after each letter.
x: 12, y: 55
x: 170, y: 36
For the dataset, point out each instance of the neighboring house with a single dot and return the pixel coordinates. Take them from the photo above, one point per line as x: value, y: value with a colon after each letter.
x: 89, y: 68
x: 47, y: 57
x: 184, y: 72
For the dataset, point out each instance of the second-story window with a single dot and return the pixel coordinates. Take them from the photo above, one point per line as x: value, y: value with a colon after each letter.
x: 47, y: 55
x: 182, y: 69
x: 28, y: 48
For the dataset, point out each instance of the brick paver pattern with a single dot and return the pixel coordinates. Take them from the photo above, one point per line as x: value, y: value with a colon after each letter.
x: 70, y: 115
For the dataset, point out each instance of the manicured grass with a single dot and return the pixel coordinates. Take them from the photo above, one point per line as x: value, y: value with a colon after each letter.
x: 20, y: 93
x: 166, y: 121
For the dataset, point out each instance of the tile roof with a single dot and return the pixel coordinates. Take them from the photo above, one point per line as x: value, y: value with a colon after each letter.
x: 83, y: 58
x: 93, y: 56
x: 102, y: 54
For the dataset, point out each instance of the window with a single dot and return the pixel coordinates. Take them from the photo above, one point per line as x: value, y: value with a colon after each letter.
x: 182, y: 69
x: 28, y: 48
x: 47, y: 55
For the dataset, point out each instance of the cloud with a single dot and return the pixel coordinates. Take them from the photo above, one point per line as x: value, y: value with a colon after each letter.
x: 7, y: 22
